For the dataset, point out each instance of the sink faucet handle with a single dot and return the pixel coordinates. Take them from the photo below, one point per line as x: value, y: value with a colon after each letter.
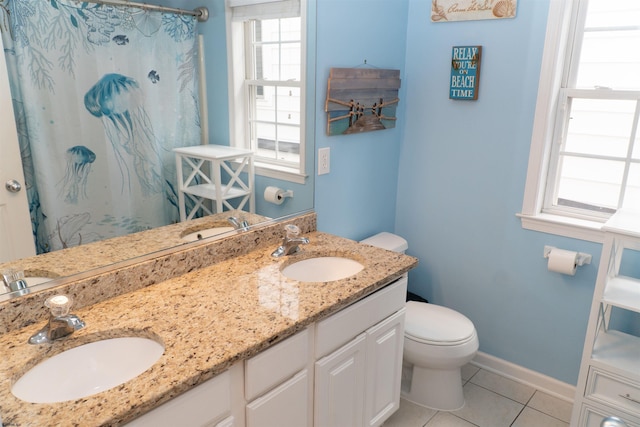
x: 292, y: 230
x: 290, y: 241
x: 242, y: 225
x: 14, y: 279
x: 60, y: 324
x: 11, y: 275
x: 59, y: 305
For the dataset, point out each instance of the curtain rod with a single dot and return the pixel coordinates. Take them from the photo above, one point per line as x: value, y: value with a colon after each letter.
x: 202, y: 13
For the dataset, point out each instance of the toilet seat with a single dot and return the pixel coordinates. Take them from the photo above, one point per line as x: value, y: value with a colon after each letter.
x: 437, y: 325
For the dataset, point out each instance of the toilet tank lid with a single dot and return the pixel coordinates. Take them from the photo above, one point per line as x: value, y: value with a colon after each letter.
x: 388, y: 241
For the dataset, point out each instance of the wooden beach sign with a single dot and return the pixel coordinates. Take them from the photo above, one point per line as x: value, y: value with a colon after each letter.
x: 361, y: 100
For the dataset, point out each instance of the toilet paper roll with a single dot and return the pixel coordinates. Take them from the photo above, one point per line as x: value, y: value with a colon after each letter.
x: 561, y: 261
x: 274, y: 195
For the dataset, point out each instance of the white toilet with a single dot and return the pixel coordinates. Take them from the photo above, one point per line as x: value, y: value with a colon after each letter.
x: 438, y: 341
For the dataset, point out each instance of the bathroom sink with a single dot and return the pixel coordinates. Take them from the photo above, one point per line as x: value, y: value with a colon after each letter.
x: 88, y: 369
x: 204, y: 234
x: 322, y: 269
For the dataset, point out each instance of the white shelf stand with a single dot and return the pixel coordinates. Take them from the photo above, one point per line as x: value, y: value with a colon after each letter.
x: 205, y: 165
x: 609, y: 381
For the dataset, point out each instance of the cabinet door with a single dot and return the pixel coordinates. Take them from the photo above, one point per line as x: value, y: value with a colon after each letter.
x: 285, y: 406
x: 384, y: 369
x: 339, y: 386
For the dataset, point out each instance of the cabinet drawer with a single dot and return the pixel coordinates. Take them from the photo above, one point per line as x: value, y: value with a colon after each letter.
x: 276, y: 364
x: 613, y: 390
x: 341, y: 327
x: 200, y: 406
x: 591, y: 416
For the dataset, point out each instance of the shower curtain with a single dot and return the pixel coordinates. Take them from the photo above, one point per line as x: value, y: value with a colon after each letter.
x: 101, y: 94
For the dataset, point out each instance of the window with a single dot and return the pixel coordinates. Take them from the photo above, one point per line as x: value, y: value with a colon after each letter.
x: 585, y: 154
x: 267, y: 40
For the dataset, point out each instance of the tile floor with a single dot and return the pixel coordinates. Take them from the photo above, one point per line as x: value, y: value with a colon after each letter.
x: 491, y: 401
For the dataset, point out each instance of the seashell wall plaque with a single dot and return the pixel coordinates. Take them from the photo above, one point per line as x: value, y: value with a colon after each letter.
x: 472, y: 10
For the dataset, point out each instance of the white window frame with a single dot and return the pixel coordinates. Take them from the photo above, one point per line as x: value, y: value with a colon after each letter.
x: 561, y: 24
x: 239, y: 94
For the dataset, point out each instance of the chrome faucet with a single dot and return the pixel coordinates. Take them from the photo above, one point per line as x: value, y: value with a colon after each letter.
x: 290, y: 242
x: 61, y: 323
x: 240, y: 226
x: 14, y: 282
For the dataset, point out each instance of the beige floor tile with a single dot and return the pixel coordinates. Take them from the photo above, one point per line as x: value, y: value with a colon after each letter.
x: 532, y: 418
x: 550, y: 405
x: 446, y: 419
x: 410, y: 415
x: 491, y: 401
x: 503, y: 386
x: 468, y: 371
x: 485, y: 408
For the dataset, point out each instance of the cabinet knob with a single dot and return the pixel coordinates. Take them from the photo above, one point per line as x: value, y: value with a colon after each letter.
x: 613, y: 422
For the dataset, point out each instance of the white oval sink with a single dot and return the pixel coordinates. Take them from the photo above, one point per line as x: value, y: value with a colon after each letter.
x: 204, y: 234
x: 88, y: 369
x: 322, y: 269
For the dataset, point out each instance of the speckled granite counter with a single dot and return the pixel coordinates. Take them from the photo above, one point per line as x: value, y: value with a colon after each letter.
x: 207, y: 320
x: 90, y: 256
x: 104, y: 283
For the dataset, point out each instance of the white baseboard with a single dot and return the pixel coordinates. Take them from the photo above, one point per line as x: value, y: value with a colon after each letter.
x: 526, y: 376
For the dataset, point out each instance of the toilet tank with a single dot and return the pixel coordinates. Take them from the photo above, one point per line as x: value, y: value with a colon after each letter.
x: 388, y: 241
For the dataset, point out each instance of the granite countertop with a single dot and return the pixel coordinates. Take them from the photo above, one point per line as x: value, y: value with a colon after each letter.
x: 77, y: 259
x: 207, y: 320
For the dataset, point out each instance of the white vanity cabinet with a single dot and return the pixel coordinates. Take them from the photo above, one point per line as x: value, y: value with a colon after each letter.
x: 359, y: 352
x: 342, y: 371
x: 609, y: 381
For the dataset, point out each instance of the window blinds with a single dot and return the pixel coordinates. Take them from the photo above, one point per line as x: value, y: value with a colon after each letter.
x: 243, y: 10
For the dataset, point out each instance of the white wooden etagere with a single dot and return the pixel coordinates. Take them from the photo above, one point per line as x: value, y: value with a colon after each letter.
x: 609, y: 381
x: 205, y: 166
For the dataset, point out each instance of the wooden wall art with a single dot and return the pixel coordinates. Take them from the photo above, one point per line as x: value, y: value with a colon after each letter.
x: 471, y: 10
x: 465, y: 72
x: 361, y: 100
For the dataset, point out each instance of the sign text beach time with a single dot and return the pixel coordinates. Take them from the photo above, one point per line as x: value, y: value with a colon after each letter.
x: 465, y: 72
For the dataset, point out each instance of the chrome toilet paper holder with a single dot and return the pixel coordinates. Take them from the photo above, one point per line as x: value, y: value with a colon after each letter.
x: 581, y: 258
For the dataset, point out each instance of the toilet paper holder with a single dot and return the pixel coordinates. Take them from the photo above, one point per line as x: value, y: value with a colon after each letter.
x: 276, y: 195
x: 581, y: 258
x: 287, y: 193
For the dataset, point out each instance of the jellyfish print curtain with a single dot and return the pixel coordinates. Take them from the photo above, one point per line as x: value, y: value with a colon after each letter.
x: 102, y: 94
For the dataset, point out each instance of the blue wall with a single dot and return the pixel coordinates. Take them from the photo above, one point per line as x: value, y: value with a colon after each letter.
x: 450, y: 176
x: 461, y: 172
x: 358, y: 196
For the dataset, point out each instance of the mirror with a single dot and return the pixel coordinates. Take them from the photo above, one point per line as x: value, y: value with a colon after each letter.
x: 55, y: 266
